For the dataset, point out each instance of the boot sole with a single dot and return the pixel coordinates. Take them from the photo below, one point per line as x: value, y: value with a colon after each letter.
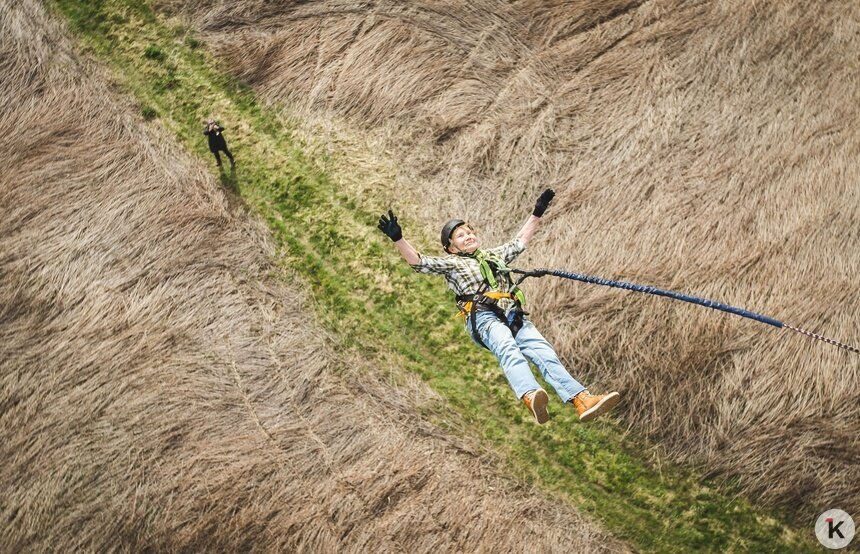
x: 539, y: 403
x: 607, y: 403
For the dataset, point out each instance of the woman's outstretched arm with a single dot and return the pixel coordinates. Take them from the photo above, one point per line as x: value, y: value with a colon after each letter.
x: 532, y: 223
x: 388, y: 225
x: 408, y: 251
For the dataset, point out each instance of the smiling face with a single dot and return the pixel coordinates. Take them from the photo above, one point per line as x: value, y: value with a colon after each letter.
x: 463, y: 240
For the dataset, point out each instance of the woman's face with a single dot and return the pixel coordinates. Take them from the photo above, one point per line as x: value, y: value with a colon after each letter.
x: 464, y: 240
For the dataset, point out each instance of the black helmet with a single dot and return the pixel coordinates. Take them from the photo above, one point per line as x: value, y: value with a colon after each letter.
x: 448, y: 230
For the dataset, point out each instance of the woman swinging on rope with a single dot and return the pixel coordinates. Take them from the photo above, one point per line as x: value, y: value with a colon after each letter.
x: 492, y: 308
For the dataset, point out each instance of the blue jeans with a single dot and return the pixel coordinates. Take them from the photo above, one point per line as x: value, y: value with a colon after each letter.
x: 512, y: 353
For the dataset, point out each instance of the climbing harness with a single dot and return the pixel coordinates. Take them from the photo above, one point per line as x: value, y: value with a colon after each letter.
x: 485, y: 299
x: 677, y: 296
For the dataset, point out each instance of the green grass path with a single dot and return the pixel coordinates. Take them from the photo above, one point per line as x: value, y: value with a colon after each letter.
x: 377, y: 306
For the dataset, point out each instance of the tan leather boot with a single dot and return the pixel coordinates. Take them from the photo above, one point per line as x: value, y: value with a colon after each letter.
x: 536, y: 402
x: 589, y: 406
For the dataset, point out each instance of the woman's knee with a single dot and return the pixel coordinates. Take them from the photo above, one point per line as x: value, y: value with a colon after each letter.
x: 505, y: 347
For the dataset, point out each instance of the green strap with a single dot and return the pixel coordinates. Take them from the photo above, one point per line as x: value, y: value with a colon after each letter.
x: 520, y: 296
x: 487, y: 273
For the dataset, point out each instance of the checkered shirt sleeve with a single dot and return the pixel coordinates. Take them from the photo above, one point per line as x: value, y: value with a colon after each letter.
x: 509, y: 251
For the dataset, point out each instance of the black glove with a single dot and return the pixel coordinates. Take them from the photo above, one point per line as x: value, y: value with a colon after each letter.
x: 390, y: 227
x: 543, y: 202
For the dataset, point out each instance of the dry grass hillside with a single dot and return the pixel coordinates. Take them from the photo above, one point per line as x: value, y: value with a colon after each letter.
x: 709, y: 147
x: 162, y: 390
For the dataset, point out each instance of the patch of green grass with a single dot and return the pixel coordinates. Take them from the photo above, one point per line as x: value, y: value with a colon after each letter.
x: 153, y: 52
x: 192, y: 42
x: 376, y: 305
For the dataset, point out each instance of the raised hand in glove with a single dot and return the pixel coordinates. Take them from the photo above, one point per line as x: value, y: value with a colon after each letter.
x: 543, y: 202
x: 389, y: 226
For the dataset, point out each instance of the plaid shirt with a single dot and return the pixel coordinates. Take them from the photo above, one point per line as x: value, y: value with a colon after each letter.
x: 463, y: 273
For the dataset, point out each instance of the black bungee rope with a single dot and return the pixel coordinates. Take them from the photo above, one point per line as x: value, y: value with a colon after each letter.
x: 677, y: 296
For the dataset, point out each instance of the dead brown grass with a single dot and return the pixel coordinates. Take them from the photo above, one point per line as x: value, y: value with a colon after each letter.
x: 163, y: 391
x: 709, y: 147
